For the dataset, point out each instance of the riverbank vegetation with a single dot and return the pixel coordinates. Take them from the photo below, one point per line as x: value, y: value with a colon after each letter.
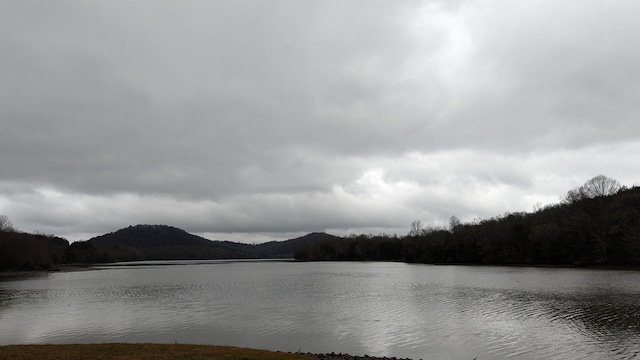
x: 141, y: 352
x: 595, y: 224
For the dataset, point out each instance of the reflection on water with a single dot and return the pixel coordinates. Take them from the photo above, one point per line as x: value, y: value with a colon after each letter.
x: 417, y: 311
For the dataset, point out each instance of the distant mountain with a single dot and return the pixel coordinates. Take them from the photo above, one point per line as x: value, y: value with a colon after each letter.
x: 288, y: 248
x: 162, y: 242
x: 145, y: 236
x: 22, y: 251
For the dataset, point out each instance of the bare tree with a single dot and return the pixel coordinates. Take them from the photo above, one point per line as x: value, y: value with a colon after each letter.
x: 454, y: 224
x: 595, y: 187
x: 5, y: 224
x: 600, y: 186
x: 573, y: 195
x: 537, y: 207
x: 416, y: 228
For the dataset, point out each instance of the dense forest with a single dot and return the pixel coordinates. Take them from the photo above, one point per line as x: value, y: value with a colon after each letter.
x: 595, y: 224
x: 22, y: 251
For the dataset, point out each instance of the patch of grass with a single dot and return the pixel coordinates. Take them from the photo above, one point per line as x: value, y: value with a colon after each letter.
x: 140, y: 352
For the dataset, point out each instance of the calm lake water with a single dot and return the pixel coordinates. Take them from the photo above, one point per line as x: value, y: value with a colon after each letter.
x: 384, y: 309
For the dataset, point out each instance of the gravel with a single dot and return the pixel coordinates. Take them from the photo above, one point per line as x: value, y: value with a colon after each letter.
x: 334, y: 356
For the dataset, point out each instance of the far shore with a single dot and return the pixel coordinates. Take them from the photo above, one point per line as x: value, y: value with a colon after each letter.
x: 87, y: 267
x: 59, y: 268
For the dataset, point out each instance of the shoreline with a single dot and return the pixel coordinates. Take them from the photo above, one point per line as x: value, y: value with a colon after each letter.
x: 59, y: 268
x: 144, y: 351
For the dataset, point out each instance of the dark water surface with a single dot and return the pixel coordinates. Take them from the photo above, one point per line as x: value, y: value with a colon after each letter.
x: 384, y: 309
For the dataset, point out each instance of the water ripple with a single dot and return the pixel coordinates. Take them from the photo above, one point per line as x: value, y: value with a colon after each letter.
x: 380, y: 309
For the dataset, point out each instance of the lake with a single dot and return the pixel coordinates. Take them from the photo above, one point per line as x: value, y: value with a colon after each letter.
x: 374, y: 308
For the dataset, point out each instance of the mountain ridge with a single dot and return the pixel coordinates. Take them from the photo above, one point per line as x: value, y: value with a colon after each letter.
x: 165, y: 242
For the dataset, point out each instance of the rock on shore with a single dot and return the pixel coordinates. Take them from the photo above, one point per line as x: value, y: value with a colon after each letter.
x: 334, y: 356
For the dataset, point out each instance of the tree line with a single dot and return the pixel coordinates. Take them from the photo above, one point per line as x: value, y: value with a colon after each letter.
x: 23, y: 251
x: 596, y: 223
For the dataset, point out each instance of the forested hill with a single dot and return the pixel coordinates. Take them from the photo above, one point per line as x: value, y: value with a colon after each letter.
x: 154, y: 242
x: 157, y: 242
x: 142, y: 236
x: 288, y: 248
x: 23, y: 251
x: 593, y: 225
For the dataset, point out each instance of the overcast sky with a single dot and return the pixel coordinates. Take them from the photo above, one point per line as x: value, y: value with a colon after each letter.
x: 256, y: 120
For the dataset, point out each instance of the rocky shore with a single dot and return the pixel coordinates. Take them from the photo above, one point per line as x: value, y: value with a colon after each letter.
x: 334, y: 356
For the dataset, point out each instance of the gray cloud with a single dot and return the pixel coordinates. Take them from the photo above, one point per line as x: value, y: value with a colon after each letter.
x: 281, y: 117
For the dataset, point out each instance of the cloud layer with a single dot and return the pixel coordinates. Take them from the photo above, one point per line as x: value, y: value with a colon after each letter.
x: 256, y: 120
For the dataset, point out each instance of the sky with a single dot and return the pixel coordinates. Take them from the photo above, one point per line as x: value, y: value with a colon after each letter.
x: 259, y: 120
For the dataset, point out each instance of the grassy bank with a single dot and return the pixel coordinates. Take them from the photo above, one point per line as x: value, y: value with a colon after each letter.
x: 140, y: 352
